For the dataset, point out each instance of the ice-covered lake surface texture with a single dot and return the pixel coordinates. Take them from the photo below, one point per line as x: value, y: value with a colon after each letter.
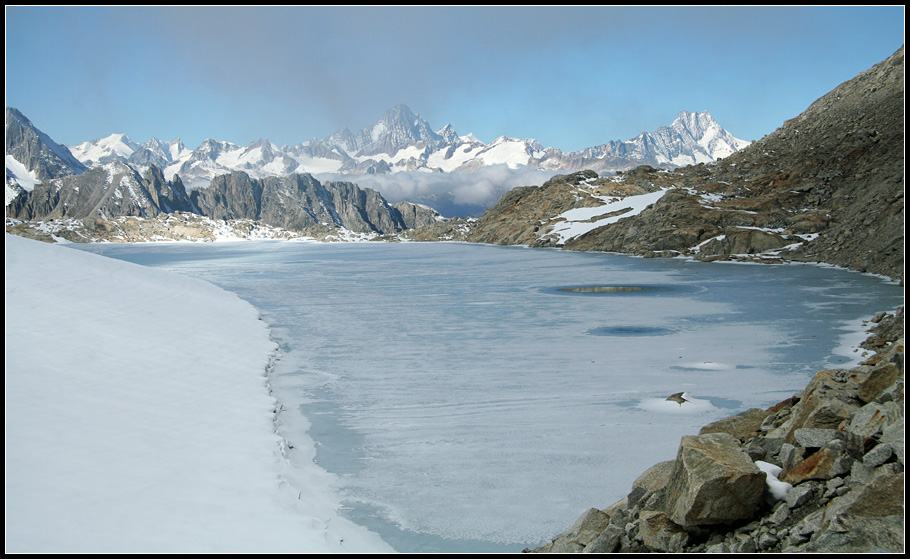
x: 480, y: 398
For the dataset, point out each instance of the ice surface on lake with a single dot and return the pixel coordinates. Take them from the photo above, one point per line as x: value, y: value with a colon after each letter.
x: 463, y: 394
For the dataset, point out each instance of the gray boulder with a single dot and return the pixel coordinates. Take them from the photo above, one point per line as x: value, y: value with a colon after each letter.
x: 713, y: 482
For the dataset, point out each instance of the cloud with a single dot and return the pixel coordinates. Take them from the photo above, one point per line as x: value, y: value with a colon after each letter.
x: 462, y: 194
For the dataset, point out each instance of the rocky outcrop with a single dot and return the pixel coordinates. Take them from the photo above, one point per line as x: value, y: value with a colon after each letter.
x: 297, y: 202
x: 417, y: 215
x: 822, y: 471
x: 114, y: 189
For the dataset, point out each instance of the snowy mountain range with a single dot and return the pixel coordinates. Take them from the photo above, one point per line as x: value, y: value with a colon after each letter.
x: 403, y: 141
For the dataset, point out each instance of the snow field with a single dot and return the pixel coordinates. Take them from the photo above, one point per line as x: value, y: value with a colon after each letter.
x: 139, y: 419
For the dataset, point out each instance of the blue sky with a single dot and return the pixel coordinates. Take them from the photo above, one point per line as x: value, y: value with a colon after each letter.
x: 570, y: 77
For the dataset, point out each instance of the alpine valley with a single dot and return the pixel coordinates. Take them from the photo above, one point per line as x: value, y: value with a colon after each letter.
x: 400, y: 146
x: 827, y: 187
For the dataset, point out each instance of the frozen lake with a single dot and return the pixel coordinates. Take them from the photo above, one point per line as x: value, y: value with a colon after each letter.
x: 480, y: 398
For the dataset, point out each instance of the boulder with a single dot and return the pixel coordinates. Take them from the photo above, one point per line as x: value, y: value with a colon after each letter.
x: 816, y: 438
x: 607, y: 541
x: 868, y: 422
x: 713, y: 482
x: 742, y: 425
x: 659, y: 533
x: 826, y: 404
x: 652, y: 480
x: 893, y: 436
x: 879, y: 379
x: 586, y: 529
x: 825, y: 464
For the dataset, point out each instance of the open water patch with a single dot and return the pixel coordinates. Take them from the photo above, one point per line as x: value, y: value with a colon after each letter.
x: 630, y: 331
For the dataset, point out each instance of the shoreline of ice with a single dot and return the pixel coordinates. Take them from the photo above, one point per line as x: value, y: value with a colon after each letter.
x: 102, y: 456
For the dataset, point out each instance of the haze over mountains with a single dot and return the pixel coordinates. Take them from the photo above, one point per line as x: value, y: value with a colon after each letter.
x: 402, y: 141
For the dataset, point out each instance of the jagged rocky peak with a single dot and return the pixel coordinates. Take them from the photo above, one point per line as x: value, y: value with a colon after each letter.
x: 695, y: 123
x: 448, y: 134
x: 35, y: 151
x: 397, y: 129
x: 211, y: 149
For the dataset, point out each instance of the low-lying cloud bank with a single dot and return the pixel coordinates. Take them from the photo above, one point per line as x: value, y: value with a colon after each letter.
x: 461, y: 194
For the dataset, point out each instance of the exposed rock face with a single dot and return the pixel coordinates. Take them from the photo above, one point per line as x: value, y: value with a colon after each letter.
x: 417, y: 215
x: 835, y: 172
x: 111, y: 190
x: 845, y: 468
x: 297, y: 202
x: 36, y: 151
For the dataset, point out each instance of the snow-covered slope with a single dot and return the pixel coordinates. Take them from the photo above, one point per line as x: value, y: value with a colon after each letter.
x: 139, y: 419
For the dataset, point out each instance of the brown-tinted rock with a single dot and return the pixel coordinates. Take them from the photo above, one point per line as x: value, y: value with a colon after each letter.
x: 822, y: 465
x: 877, y: 381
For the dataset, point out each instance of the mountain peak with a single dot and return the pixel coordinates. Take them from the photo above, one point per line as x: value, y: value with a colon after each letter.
x: 396, y: 129
x: 399, y: 110
x: 36, y: 151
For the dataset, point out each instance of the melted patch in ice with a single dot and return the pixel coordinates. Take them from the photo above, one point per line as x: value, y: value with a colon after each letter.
x: 630, y: 331
x: 602, y: 289
x: 630, y: 290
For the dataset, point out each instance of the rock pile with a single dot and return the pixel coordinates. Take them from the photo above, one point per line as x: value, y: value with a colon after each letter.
x: 822, y: 471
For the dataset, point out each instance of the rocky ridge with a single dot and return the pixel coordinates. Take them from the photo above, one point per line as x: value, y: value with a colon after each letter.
x: 827, y: 186
x: 296, y: 202
x: 822, y: 471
